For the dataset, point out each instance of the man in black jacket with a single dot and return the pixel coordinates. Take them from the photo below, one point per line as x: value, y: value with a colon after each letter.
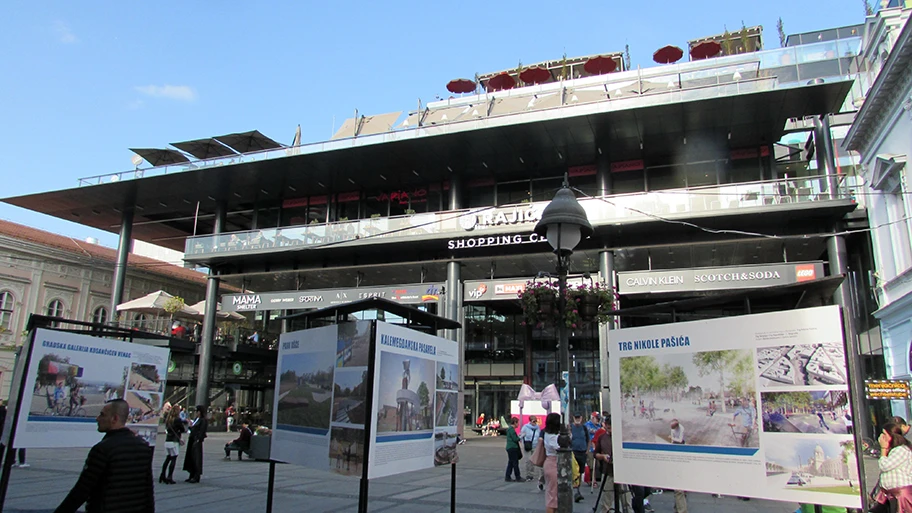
x: 117, y: 476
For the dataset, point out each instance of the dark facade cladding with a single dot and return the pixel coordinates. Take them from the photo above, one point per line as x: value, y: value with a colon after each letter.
x: 699, y: 179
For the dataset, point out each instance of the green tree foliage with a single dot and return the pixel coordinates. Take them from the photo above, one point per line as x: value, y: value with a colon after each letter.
x: 174, y: 304
x: 742, y: 380
x: 642, y: 374
x: 716, y: 362
x: 781, y: 30
x: 424, y: 396
x: 745, y: 39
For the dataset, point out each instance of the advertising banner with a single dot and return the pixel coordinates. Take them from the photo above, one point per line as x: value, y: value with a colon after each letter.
x: 416, y: 388
x: 753, y: 406
x: 71, y: 376
x: 718, y: 278
x: 321, y: 397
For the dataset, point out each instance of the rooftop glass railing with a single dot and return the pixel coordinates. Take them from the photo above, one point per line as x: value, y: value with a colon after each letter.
x: 720, y: 76
x: 496, y: 222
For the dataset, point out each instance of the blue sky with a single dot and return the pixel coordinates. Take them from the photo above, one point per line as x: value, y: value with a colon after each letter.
x: 84, y: 81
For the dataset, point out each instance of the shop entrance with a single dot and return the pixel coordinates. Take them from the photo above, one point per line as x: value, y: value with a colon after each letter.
x: 493, y: 398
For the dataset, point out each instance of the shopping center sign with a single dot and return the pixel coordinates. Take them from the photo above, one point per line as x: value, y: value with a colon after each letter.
x: 298, y: 299
x: 718, y: 278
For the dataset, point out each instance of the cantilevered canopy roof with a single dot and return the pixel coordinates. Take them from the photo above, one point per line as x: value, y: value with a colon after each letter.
x: 204, y: 148
x: 246, y: 142
x: 160, y: 156
x: 478, y: 148
x: 410, y: 313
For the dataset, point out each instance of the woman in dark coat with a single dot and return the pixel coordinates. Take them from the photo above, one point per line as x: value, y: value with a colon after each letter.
x: 193, y: 462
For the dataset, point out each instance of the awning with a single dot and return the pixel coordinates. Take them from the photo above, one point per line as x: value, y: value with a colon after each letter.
x: 247, y: 142
x: 160, y: 156
x: 205, y: 148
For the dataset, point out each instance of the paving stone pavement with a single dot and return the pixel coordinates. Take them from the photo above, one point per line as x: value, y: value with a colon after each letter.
x: 240, y: 487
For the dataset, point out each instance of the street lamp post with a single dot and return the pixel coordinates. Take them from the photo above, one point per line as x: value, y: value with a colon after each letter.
x: 564, y: 224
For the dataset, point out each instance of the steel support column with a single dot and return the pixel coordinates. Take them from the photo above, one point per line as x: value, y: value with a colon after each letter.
x: 606, y: 278
x: 823, y: 147
x: 120, y: 267
x: 836, y: 254
x: 208, y: 335
x: 452, y: 309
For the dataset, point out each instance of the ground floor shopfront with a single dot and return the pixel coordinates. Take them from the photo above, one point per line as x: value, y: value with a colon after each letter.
x: 501, y: 352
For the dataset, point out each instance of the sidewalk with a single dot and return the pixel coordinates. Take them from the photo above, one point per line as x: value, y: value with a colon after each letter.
x: 240, y: 487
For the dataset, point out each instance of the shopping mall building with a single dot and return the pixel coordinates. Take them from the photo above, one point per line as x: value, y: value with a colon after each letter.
x: 715, y: 187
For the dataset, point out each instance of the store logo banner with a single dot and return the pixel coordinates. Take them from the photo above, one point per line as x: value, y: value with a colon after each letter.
x: 717, y: 278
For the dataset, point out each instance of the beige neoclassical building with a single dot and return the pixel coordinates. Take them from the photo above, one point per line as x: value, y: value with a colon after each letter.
x: 50, y: 274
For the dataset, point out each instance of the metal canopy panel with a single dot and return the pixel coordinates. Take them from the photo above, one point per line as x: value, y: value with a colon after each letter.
x: 246, y: 142
x: 204, y: 148
x: 762, y: 114
x: 160, y: 156
x: 379, y: 123
x: 348, y: 128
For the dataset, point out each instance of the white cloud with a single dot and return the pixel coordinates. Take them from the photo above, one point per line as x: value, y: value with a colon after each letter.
x: 64, y: 34
x: 171, y: 92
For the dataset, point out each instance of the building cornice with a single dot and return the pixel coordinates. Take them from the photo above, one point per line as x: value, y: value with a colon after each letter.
x: 885, y: 96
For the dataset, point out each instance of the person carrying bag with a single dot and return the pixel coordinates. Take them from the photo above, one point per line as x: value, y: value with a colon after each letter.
x: 538, y: 457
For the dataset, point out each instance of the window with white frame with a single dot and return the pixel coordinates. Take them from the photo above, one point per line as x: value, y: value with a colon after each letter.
x: 7, y: 307
x: 100, y: 315
x: 55, y: 309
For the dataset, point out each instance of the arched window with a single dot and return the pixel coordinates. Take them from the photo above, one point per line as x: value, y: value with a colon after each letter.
x: 140, y: 320
x: 100, y: 315
x: 55, y: 308
x: 7, y: 306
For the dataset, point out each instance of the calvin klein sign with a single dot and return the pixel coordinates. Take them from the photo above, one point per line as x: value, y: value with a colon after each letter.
x: 717, y: 278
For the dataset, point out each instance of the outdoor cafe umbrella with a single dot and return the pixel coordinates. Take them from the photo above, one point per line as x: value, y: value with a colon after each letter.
x: 704, y: 50
x: 160, y: 156
x: 599, y: 65
x: 668, y: 54
x: 501, y: 82
x: 246, y: 142
x: 200, y: 309
x: 461, y: 85
x: 154, y: 303
x: 535, y: 75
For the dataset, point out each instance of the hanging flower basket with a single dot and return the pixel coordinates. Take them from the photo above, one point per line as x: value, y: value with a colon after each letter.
x: 585, y: 304
x: 588, y: 305
x: 539, y: 302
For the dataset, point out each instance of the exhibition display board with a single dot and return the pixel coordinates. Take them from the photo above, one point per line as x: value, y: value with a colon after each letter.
x: 753, y: 406
x: 70, y: 377
x: 366, y: 393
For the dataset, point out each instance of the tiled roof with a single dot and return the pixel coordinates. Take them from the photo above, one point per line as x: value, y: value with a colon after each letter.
x: 102, y: 253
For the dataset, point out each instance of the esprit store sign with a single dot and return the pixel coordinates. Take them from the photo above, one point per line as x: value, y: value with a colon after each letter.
x: 717, y: 278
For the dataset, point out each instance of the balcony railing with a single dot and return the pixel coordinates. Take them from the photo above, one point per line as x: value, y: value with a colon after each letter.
x: 686, y: 81
x: 520, y: 218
